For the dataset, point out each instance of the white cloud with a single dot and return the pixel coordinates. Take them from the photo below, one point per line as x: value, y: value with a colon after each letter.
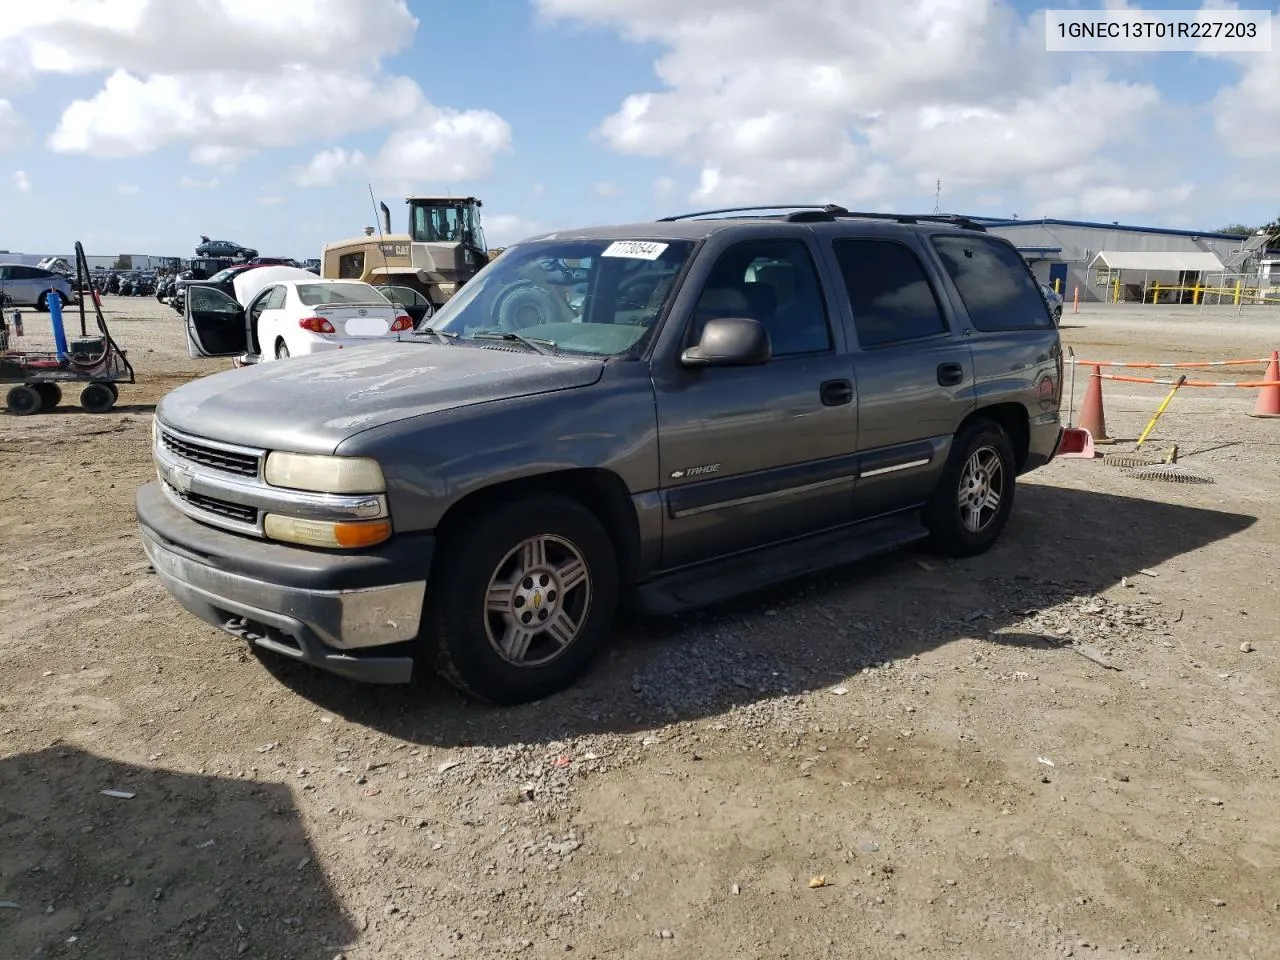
x: 13, y: 131
x: 270, y: 201
x: 444, y: 145
x: 326, y: 166
x: 1248, y: 114
x: 503, y: 229
x: 21, y: 182
x: 164, y: 37
x: 863, y: 102
x: 131, y: 116
x: 215, y: 156
x: 128, y: 190
x: 538, y: 189
x: 190, y: 183
x: 663, y: 188
x: 605, y: 189
x: 240, y: 76
x: 435, y: 145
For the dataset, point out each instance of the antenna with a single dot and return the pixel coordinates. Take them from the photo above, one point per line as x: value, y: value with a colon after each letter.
x: 382, y: 245
x: 937, y: 197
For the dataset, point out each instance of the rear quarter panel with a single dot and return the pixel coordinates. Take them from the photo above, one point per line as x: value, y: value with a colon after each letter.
x: 1022, y: 366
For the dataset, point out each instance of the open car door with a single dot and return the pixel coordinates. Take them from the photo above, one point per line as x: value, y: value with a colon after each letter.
x: 215, y: 323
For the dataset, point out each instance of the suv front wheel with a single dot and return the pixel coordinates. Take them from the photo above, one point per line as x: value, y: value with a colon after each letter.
x: 971, y: 505
x: 523, y: 599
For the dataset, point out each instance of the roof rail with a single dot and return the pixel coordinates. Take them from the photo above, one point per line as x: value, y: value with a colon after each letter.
x: 830, y: 212
x: 770, y: 206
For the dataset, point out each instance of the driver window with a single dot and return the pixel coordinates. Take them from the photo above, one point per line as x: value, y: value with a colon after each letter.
x: 774, y: 282
x: 211, y: 300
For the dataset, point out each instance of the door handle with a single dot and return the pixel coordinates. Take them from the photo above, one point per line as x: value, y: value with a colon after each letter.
x: 950, y: 374
x: 835, y: 392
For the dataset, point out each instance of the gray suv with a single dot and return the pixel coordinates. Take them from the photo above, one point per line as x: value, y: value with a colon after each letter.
x: 32, y: 286
x: 663, y: 414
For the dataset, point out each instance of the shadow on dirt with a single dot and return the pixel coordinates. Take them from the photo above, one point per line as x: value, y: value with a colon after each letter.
x: 196, y: 866
x: 1061, y: 544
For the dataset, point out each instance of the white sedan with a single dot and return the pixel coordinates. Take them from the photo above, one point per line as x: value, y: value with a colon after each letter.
x: 296, y: 317
x: 277, y: 316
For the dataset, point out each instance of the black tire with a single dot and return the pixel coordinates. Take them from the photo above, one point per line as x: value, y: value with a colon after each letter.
x: 115, y: 391
x: 282, y: 350
x: 97, y: 398
x: 50, y: 395
x: 42, y: 303
x: 462, y: 631
x: 1057, y: 316
x: 24, y: 401
x: 950, y: 532
x: 525, y: 307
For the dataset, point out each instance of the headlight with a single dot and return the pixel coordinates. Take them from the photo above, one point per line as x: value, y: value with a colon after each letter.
x: 301, y: 471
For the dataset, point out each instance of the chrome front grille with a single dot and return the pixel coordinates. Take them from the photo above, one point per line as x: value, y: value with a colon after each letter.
x: 224, y: 508
x: 222, y: 485
x: 222, y: 457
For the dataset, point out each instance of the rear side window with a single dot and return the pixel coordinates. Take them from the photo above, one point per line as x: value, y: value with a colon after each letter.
x: 275, y: 299
x: 889, y: 292
x: 997, y: 288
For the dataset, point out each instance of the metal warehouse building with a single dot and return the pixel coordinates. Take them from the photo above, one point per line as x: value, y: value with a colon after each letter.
x: 1112, y: 261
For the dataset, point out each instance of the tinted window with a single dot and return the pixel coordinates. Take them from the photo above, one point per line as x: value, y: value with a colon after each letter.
x: 994, y: 283
x: 889, y: 292
x: 28, y: 273
x: 774, y: 282
x: 314, y: 294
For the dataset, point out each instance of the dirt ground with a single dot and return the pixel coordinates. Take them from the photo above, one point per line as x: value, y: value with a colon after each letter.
x: 926, y: 736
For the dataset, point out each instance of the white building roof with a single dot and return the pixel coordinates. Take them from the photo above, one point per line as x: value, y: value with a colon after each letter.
x: 1133, y: 260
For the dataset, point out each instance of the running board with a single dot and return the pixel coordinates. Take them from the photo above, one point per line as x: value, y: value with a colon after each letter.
x: 715, y: 582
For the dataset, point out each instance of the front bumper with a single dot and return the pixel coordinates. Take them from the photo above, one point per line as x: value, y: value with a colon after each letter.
x: 354, y: 614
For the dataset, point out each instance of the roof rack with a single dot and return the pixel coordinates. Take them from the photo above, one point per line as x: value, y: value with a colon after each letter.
x: 769, y: 206
x: 830, y: 212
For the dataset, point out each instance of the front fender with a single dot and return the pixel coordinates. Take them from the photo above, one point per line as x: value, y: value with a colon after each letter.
x: 434, y: 460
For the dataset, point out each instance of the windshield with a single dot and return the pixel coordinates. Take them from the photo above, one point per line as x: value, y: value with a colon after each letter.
x: 224, y: 275
x: 596, y: 297
x: 314, y: 294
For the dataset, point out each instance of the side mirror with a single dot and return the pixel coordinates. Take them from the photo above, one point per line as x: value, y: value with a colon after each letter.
x: 730, y: 342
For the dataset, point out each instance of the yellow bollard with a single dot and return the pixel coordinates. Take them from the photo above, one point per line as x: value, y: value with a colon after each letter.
x: 1057, y: 286
x: 1155, y: 297
x: 1237, y: 299
x: 1115, y: 293
x: 1195, y: 294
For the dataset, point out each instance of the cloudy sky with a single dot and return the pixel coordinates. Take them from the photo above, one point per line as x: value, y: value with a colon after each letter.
x: 137, y: 125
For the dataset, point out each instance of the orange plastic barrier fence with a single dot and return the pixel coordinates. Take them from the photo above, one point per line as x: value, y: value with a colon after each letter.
x: 1252, y: 384
x: 1147, y: 366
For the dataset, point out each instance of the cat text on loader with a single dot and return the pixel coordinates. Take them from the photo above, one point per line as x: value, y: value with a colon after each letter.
x: 443, y: 248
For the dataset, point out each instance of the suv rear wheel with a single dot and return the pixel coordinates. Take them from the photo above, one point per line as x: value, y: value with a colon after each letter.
x: 971, y: 505
x: 522, y: 600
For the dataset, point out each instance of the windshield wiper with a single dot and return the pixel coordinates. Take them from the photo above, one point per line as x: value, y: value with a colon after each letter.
x: 444, y: 336
x: 545, y: 347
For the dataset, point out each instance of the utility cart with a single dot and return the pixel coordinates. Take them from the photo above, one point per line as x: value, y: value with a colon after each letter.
x: 93, y: 361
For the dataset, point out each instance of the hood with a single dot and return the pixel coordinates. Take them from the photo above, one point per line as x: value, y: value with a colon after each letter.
x: 250, y: 283
x: 310, y: 404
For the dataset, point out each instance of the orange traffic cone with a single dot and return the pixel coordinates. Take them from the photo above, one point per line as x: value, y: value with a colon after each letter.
x: 1269, y: 397
x: 1091, y: 416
